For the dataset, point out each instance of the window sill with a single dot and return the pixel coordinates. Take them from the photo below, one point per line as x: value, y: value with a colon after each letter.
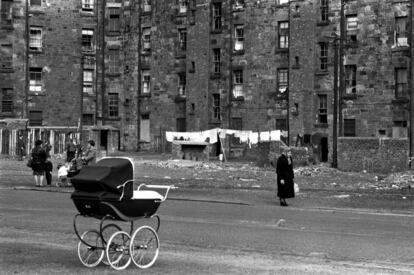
x: 146, y: 13
x: 113, y: 33
x: 322, y: 23
x: 215, y: 76
x: 146, y: 52
x: 35, y: 51
x: 113, y: 119
x: 400, y: 48
x: 85, y: 13
x: 37, y: 93
x: 321, y: 73
x: 295, y: 67
x: 143, y: 95
x: 239, y: 98
x: 278, y: 50
x: 238, y: 52
x: 349, y: 96
x: 36, y: 11
x: 321, y: 125
x: 180, y: 98
x: 216, y: 31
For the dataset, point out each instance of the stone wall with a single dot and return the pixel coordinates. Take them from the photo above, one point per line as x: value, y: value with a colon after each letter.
x: 372, y: 154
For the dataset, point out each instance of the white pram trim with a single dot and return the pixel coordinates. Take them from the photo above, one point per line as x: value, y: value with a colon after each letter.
x: 147, y: 194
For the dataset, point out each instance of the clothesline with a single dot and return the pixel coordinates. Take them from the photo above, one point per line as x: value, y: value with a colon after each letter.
x: 212, y: 135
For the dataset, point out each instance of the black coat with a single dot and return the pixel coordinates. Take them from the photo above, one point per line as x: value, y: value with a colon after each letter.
x: 284, y: 171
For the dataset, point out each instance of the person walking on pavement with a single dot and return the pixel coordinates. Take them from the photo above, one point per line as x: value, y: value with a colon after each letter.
x: 90, y: 153
x: 20, y: 147
x: 70, y: 151
x: 285, y: 175
x: 38, y: 156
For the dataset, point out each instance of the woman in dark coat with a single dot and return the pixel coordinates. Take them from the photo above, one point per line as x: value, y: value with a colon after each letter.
x: 39, y: 157
x: 284, y: 171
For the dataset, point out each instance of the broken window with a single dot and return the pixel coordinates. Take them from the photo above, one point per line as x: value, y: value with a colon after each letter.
x: 323, y: 109
x: 35, y: 82
x: 182, y: 39
x: 146, y: 82
x: 217, y: 24
x: 146, y: 39
x: 87, y: 40
x: 282, y: 82
x: 146, y: 6
x: 6, y: 16
x: 114, y: 24
x: 351, y: 28
x: 401, y: 83
x: 87, y: 5
x: 6, y: 100
x: 113, y: 104
x: 349, y: 128
x: 182, y: 6
x: 113, y: 62
x: 182, y: 84
x: 216, y: 60
x: 35, y: 39
x: 323, y: 59
x: 88, y: 81
x: 283, y: 34
x: 35, y: 118
x: 6, y: 56
x: 350, y: 79
x: 324, y: 10
x: 238, y: 38
x: 401, y: 31
x: 216, y: 107
x: 238, y: 83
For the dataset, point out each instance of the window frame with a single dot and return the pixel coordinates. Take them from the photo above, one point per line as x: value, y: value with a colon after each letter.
x: 349, y: 128
x: 401, y: 36
x: 182, y: 83
x: 182, y: 39
x: 238, y: 37
x: 323, y: 56
x: 283, y: 35
x: 114, y: 20
x: 146, y: 39
x: 322, y: 108
x: 114, y: 61
x: 216, y: 102
x: 217, y: 60
x: 88, y: 80
x: 282, y: 81
x: 238, y: 83
x: 6, y: 61
x: 35, y: 80
x: 401, y: 85
x: 88, y: 5
x: 7, y: 104
x: 113, y: 105
x: 33, y: 117
x: 182, y: 6
x: 350, y: 79
x: 217, y: 20
x: 88, y: 36
x: 36, y: 39
x: 324, y: 7
x: 146, y: 82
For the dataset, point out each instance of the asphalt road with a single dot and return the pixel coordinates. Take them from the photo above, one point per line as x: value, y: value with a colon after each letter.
x: 203, y: 237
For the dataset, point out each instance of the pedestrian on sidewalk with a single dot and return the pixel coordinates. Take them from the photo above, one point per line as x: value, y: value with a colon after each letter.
x: 70, y: 151
x: 285, y: 175
x: 20, y: 147
x: 90, y: 153
x: 38, y: 156
x: 48, y: 170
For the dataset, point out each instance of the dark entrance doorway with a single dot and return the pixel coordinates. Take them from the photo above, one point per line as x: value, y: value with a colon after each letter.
x: 104, y: 140
x: 324, y: 149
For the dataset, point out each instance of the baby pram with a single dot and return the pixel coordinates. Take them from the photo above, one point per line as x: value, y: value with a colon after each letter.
x: 105, y: 191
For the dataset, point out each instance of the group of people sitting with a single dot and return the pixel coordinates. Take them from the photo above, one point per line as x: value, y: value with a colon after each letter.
x: 41, y: 164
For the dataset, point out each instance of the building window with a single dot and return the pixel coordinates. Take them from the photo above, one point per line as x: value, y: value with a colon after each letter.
x: 182, y: 6
x: 238, y: 83
x: 114, y: 62
x: 146, y: 6
x: 238, y: 38
x: 36, y: 82
x: 282, y: 82
x: 282, y: 2
x: 349, y: 128
x: 35, y: 118
x: 35, y: 3
x: 216, y: 60
x: 181, y: 125
x: 323, y: 109
x: 114, y: 24
x: 283, y: 34
x: 113, y: 104
x: 146, y: 39
x: 87, y: 119
x: 351, y: 28
x: 324, y: 10
x: 182, y: 39
x: 88, y: 81
x: 236, y: 124
x: 6, y: 18
x: 401, y: 83
x: 35, y: 39
x: 323, y: 59
x: 182, y: 84
x: 217, y: 24
x: 87, y: 5
x: 146, y: 82
x: 401, y: 31
x: 238, y: 4
x: 87, y: 40
x: 350, y: 79
x: 6, y: 100
x: 216, y: 107
x: 6, y: 56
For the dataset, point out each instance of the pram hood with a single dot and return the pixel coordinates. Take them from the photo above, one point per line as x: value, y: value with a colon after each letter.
x: 105, y: 176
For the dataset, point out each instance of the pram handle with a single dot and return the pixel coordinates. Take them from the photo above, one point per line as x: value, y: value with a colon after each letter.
x: 154, y: 186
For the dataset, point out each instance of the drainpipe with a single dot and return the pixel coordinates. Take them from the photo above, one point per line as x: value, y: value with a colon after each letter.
x: 25, y: 110
x: 230, y: 8
x: 139, y: 76
x: 341, y: 66
x: 103, y: 22
x: 410, y: 85
x: 288, y: 79
x: 335, y: 109
x: 81, y: 98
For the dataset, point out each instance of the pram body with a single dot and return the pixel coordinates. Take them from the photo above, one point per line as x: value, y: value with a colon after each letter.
x: 105, y: 191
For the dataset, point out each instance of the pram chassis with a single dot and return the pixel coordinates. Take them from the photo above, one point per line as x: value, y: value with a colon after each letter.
x: 119, y: 248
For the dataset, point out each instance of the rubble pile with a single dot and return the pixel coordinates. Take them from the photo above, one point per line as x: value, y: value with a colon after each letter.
x: 399, y: 180
x: 315, y: 170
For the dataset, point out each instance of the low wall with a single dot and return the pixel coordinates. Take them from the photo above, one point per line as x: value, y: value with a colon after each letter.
x: 383, y: 155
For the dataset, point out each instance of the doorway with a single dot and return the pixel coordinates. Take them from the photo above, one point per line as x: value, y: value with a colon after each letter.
x: 104, y: 140
x: 324, y: 149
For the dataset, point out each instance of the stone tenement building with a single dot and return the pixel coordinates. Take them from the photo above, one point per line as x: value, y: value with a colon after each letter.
x: 131, y: 70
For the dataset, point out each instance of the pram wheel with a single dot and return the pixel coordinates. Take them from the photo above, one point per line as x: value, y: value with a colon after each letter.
x: 107, y: 231
x: 90, y: 248
x: 144, y: 247
x: 117, y: 250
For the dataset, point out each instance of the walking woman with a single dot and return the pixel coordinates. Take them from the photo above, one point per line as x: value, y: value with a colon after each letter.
x: 284, y: 171
x: 39, y: 157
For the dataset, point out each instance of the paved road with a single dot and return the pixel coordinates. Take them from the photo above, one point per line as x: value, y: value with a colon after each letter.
x: 215, y: 238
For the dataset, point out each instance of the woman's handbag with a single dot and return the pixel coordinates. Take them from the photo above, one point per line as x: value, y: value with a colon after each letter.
x: 296, y: 187
x: 29, y: 163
